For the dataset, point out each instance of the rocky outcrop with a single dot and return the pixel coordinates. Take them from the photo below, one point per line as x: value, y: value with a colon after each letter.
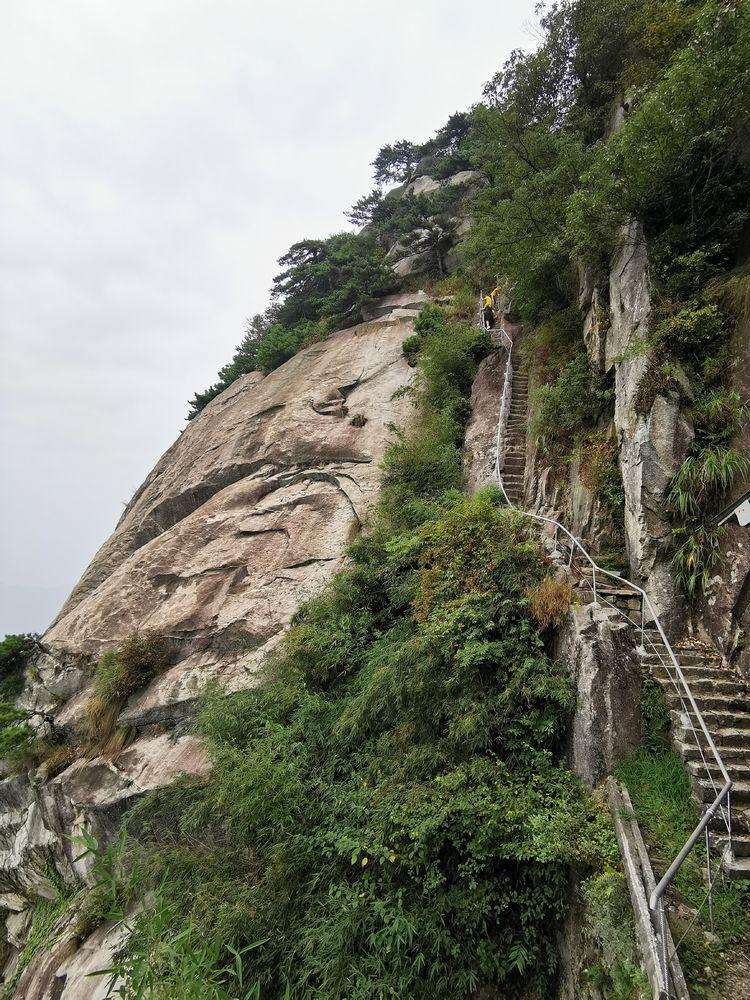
x: 599, y: 651
x: 408, y: 255
x: 653, y: 437
x: 241, y: 521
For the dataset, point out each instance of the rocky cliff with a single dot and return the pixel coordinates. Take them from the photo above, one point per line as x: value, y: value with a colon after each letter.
x: 242, y: 520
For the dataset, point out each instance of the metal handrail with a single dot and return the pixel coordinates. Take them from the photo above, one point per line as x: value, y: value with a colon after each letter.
x: 656, y: 899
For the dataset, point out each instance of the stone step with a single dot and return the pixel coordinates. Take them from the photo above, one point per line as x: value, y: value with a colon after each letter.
x: 738, y: 869
x: 655, y: 659
x: 719, y: 701
x: 719, y: 719
x: 701, y: 685
x: 737, y: 772
x: 707, y: 793
x: 740, y: 844
x: 731, y: 753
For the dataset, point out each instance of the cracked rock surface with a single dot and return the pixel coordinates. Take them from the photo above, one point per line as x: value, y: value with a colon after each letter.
x: 241, y: 521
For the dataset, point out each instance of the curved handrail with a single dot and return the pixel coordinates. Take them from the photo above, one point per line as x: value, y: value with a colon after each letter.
x: 723, y: 795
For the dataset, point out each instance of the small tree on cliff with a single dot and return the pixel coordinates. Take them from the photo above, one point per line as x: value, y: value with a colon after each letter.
x: 395, y: 163
x: 330, y: 278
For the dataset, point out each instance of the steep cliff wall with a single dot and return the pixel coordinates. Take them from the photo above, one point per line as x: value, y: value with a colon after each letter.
x: 241, y: 521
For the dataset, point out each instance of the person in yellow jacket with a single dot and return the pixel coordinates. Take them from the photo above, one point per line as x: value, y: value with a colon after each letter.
x: 488, y: 313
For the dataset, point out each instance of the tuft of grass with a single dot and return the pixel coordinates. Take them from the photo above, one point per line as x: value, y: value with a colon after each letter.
x: 549, y: 601
x: 119, y: 674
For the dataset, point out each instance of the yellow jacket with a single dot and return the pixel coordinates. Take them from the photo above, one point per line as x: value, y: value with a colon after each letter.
x: 487, y: 302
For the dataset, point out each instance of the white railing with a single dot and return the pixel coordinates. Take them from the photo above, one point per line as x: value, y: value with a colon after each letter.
x: 721, y: 804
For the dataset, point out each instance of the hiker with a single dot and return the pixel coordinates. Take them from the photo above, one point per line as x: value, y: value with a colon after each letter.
x: 489, y: 313
x: 495, y: 296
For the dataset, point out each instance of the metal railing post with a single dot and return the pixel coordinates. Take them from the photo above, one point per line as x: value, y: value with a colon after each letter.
x: 664, y: 945
x: 643, y: 622
x: 593, y: 578
x: 710, y: 881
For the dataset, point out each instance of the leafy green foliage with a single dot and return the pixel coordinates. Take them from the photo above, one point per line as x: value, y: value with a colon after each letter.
x: 600, y: 473
x: 553, y: 344
x: 332, y: 278
x: 387, y: 813
x: 323, y: 285
x: 16, y: 736
x: 14, y: 652
x: 566, y: 408
x: 395, y: 162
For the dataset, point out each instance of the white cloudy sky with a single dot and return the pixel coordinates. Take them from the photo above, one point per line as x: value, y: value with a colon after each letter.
x: 156, y: 158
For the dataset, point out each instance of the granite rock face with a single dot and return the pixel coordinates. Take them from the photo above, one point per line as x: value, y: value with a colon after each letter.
x: 241, y: 521
x: 605, y: 669
x: 653, y: 445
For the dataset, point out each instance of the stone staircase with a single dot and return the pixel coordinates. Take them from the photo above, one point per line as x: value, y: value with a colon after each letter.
x: 722, y: 696
x: 515, y: 440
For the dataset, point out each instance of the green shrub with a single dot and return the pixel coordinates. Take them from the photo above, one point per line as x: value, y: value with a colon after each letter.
x: 718, y: 415
x: 705, y: 477
x: 14, y: 653
x: 693, y: 332
x: 566, y: 408
x: 16, y: 736
x: 552, y: 345
x: 119, y: 674
x: 600, y: 473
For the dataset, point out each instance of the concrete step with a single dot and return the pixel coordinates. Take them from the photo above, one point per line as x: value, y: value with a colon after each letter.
x: 707, y: 793
x: 740, y: 844
x: 738, y: 869
x: 719, y: 701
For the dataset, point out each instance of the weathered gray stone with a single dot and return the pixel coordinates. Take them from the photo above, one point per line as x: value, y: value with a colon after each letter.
x: 422, y: 185
x: 242, y: 520
x: 605, y: 670
x: 413, y: 263
x: 652, y: 447
x: 66, y: 968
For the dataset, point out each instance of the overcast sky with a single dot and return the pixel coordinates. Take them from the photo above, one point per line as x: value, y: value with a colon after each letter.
x: 156, y: 158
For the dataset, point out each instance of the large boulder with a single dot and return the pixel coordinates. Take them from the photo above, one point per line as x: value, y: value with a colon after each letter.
x: 599, y: 652
x: 653, y: 445
x: 243, y: 519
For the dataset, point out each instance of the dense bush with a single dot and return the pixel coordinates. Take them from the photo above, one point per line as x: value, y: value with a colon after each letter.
x: 14, y: 652
x: 565, y: 409
x: 16, y: 736
x: 387, y: 814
